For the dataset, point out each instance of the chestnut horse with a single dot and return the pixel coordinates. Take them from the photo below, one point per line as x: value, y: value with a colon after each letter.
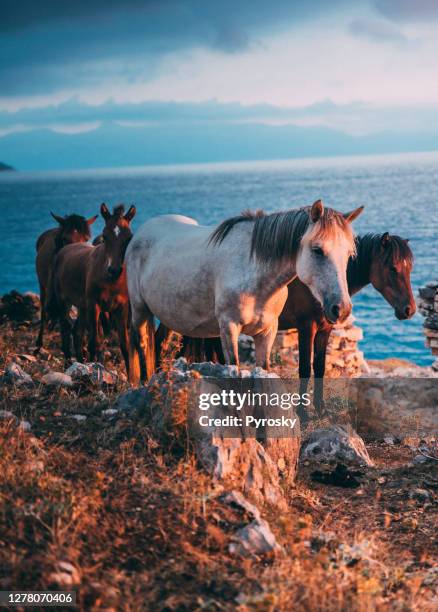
x: 72, y: 229
x: 93, y: 278
x: 385, y: 261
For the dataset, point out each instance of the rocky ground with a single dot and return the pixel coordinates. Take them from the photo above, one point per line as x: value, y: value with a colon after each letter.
x: 95, y: 498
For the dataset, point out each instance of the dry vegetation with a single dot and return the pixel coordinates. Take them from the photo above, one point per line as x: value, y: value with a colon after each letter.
x: 100, y: 507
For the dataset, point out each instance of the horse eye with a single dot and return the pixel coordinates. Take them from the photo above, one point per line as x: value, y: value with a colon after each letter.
x: 318, y: 251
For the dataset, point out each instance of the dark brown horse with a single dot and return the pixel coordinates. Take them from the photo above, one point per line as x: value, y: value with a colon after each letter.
x: 383, y: 260
x: 93, y: 278
x: 72, y: 229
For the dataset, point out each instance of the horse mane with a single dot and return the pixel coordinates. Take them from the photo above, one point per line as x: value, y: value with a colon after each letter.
x: 369, y: 246
x: 72, y: 222
x: 279, y: 234
x: 118, y: 211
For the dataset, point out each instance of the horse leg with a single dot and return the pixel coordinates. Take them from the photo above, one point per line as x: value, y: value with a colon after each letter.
x: 319, y: 356
x: 230, y: 331
x: 78, y: 337
x: 66, y: 331
x: 142, y: 345
x: 39, y: 342
x: 162, y: 336
x: 121, y: 317
x: 213, y: 350
x: 306, y: 335
x: 94, y: 340
x: 263, y: 346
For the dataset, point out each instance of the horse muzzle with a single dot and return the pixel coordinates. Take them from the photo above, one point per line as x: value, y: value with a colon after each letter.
x: 405, y: 312
x: 114, y: 272
x: 337, y: 312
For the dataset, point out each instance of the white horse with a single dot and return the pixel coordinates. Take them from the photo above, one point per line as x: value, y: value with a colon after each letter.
x: 205, y: 282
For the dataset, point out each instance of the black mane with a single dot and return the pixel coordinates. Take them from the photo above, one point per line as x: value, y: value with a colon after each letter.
x: 369, y: 246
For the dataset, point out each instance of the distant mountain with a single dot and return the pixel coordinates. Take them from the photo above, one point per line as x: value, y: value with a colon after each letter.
x: 112, y: 145
x: 6, y: 168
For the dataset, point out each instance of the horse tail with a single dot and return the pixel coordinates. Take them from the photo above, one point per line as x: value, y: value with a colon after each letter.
x: 149, y: 348
x: 51, y: 306
x: 134, y: 358
x: 142, y: 347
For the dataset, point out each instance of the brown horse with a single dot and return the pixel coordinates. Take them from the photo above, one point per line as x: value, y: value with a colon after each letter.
x: 72, y: 229
x: 383, y: 260
x: 93, y: 278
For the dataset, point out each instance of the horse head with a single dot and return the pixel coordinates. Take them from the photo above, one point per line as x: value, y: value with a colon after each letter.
x: 116, y: 236
x: 322, y: 259
x: 390, y: 274
x: 72, y: 228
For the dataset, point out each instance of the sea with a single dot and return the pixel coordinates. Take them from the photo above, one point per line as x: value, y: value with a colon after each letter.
x: 400, y: 194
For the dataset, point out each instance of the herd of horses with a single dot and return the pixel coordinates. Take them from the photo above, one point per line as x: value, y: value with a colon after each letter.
x: 254, y: 274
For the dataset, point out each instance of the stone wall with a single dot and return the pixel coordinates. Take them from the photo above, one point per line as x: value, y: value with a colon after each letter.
x: 343, y: 355
x: 428, y: 307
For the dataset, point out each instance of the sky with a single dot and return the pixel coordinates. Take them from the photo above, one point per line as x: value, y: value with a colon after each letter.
x: 360, y: 67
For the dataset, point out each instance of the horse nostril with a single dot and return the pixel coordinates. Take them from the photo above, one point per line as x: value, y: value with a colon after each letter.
x: 335, y: 312
x: 409, y: 311
x: 114, y: 272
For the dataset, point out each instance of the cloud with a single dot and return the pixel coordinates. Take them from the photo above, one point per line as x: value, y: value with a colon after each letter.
x: 376, y: 31
x: 408, y: 10
x: 49, y: 45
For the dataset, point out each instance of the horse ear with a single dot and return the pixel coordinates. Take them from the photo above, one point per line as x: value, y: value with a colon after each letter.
x: 316, y: 211
x: 385, y: 239
x: 57, y: 218
x: 351, y: 216
x: 91, y: 220
x: 105, y: 212
x: 130, y: 214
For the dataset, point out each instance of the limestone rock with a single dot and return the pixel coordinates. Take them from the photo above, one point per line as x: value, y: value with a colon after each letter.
x: 258, y: 469
x: 93, y: 372
x: 24, y: 426
x: 8, y: 416
x: 57, y: 379
x: 15, y: 375
x: 335, y: 444
x: 236, y: 499
x: 254, y: 539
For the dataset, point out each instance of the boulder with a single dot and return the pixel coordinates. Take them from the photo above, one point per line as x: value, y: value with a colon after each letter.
x: 257, y: 468
x: 335, y: 445
x: 15, y: 375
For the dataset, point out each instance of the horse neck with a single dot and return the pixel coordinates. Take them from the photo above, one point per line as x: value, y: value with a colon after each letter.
x: 278, y: 273
x: 359, y: 267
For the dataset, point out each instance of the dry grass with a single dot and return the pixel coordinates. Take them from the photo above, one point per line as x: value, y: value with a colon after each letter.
x: 100, y: 506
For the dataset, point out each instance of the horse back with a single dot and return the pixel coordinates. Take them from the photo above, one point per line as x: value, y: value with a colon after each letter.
x: 70, y: 274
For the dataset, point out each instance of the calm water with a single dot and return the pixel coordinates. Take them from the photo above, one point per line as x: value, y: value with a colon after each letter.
x: 400, y: 193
